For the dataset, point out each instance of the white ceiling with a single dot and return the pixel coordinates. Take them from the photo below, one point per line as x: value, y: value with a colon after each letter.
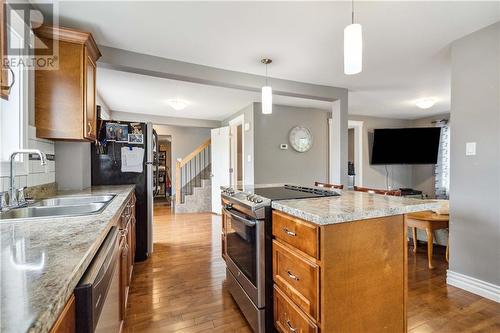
x: 136, y: 93
x: 406, y: 44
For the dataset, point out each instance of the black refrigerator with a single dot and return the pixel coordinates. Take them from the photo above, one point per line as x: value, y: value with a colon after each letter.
x: 107, y: 170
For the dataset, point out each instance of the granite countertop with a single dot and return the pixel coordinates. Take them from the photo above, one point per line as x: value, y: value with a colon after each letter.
x: 43, y: 259
x: 351, y: 206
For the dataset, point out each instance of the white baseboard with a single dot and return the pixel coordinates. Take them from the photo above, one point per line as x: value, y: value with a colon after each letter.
x: 473, y: 285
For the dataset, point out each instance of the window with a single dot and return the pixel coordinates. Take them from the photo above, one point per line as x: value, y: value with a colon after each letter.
x: 13, y: 112
x: 442, y: 170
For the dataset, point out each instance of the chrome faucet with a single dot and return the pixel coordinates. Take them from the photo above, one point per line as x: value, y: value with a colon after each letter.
x: 12, y: 190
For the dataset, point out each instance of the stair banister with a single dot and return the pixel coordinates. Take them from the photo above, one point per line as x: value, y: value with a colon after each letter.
x: 181, y: 167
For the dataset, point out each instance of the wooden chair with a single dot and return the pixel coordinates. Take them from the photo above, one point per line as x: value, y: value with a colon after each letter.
x: 396, y: 193
x: 319, y: 184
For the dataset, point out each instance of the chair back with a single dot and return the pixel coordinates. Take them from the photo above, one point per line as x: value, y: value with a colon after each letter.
x: 319, y: 184
x: 396, y: 193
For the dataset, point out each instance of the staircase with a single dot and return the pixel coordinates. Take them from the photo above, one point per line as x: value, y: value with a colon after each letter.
x: 193, y: 189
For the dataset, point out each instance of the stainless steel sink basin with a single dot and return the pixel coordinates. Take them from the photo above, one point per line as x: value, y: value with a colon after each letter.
x: 74, y: 200
x: 46, y: 211
x: 61, y: 206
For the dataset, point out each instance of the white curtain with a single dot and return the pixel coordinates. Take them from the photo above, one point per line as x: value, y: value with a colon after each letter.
x: 442, y: 169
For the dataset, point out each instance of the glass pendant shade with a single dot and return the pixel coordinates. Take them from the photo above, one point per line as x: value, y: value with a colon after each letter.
x: 353, y: 49
x: 267, y: 100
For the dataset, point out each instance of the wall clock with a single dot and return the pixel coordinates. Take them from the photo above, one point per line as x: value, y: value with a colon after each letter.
x: 301, y: 139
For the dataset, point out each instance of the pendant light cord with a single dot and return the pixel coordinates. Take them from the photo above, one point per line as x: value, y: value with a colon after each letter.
x: 267, y: 83
x: 352, y: 11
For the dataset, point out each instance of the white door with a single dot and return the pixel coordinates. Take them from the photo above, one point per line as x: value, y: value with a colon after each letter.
x: 220, y: 165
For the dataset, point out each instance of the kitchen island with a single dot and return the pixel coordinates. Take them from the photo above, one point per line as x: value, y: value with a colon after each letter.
x: 43, y: 259
x: 339, y: 263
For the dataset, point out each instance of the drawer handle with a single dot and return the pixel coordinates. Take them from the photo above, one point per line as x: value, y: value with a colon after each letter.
x: 290, y: 327
x: 289, y: 233
x: 292, y: 276
x: 90, y: 128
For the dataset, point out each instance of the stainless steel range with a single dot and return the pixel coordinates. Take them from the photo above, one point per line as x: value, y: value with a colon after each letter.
x: 248, y: 241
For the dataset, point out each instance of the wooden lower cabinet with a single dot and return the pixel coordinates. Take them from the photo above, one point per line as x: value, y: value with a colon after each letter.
x: 127, y: 252
x: 355, y: 282
x: 66, y: 322
x: 288, y: 317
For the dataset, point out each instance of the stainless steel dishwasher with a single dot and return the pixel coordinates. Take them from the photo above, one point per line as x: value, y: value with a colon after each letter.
x: 98, y: 292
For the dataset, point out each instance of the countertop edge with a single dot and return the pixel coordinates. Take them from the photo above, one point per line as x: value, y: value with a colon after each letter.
x: 354, y: 216
x: 47, y: 319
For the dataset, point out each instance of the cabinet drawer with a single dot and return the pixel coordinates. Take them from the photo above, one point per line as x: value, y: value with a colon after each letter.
x: 297, y: 277
x: 300, y: 234
x: 288, y: 318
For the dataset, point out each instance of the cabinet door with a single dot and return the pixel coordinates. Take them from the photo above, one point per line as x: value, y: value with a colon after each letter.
x: 90, y: 117
x: 133, y: 239
x: 129, y: 248
x: 66, y: 322
x: 124, y: 267
x: 4, y: 71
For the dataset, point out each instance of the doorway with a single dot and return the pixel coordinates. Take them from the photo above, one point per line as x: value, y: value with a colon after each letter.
x: 236, y: 151
x: 164, y: 192
x: 355, y: 153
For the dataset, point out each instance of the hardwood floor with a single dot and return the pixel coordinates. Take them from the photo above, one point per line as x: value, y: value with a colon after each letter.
x: 181, y: 287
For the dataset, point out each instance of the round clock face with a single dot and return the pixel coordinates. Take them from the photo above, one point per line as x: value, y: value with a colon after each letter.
x: 301, y: 139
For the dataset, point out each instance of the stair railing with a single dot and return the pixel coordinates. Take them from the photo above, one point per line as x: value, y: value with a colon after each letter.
x: 190, y: 171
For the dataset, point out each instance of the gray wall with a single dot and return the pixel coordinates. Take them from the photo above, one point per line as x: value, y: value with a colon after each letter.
x: 248, y: 142
x: 475, y: 180
x: 375, y: 175
x: 73, y: 171
x: 184, y: 141
x: 273, y: 165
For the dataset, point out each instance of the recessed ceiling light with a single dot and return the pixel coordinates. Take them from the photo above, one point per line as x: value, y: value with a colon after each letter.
x: 177, y: 104
x: 425, y: 103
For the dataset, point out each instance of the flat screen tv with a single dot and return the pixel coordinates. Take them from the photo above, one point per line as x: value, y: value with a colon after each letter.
x: 406, y: 145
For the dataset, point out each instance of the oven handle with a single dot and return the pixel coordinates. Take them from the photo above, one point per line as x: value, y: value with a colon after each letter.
x: 241, y: 218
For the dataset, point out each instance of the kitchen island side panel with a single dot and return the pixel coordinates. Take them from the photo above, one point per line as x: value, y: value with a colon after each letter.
x: 364, y: 275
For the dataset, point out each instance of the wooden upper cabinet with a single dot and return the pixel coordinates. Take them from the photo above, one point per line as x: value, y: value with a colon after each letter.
x: 4, y: 71
x: 90, y: 123
x: 65, y: 97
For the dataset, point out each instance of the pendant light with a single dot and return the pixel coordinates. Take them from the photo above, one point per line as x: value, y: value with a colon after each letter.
x: 267, y: 92
x: 353, y: 46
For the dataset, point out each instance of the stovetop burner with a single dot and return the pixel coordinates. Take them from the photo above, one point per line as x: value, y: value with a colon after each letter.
x: 292, y: 192
x: 254, y: 197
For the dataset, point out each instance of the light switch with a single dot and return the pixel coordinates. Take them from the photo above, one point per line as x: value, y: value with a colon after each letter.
x: 249, y: 158
x: 470, y: 149
x: 283, y: 146
x: 247, y: 126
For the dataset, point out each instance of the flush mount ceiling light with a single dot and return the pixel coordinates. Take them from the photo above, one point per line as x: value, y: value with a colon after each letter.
x: 177, y: 104
x: 425, y: 103
x: 267, y: 92
x: 353, y: 46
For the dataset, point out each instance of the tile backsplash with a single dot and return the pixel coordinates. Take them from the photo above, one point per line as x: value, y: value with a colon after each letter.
x: 37, y: 174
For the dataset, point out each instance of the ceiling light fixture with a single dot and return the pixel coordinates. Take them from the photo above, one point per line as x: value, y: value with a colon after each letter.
x: 267, y: 92
x: 177, y: 104
x: 353, y: 46
x: 425, y: 103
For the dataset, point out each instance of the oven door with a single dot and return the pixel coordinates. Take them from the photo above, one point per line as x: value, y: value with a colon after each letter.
x: 245, y: 253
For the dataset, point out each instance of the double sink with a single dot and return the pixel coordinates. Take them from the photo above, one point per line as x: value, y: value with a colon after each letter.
x: 60, y: 206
